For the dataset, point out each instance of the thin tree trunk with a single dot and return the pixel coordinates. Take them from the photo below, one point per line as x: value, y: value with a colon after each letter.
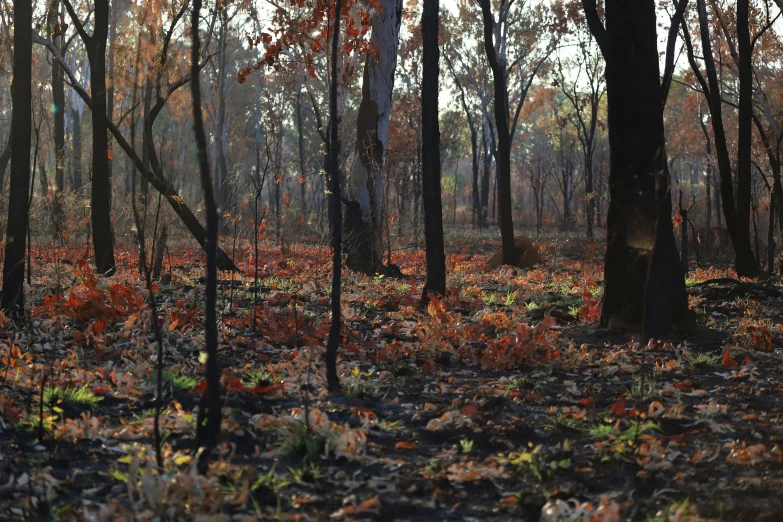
x: 206, y: 434
x: 503, y: 157
x: 100, y: 202
x: 333, y: 343
x: 430, y: 154
x: 58, y: 105
x: 21, y: 118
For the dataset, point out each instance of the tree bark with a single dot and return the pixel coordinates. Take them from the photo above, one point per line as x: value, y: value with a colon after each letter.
x: 206, y: 434
x: 643, y: 275
x: 737, y: 225
x: 503, y: 157
x: 430, y: 154
x: 18, y: 212
x: 58, y: 106
x: 333, y: 342
x: 100, y: 202
x: 363, y: 229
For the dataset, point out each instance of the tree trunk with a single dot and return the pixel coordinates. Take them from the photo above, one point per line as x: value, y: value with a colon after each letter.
x: 503, y: 156
x: 21, y: 118
x: 206, y: 434
x: 737, y: 218
x: 58, y: 106
x: 223, y: 191
x: 100, y: 202
x: 363, y: 229
x: 643, y: 275
x: 485, y: 170
x: 430, y: 154
x: 333, y: 342
x: 302, y: 180
x: 76, y: 174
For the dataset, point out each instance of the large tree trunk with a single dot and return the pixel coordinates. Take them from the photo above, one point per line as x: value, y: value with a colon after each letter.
x: 503, y: 155
x: 643, y: 276
x: 363, y: 227
x: 430, y: 154
x: 21, y: 118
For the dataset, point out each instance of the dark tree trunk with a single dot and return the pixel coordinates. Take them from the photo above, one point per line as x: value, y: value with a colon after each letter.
x: 643, y: 275
x: 76, y: 175
x: 206, y: 434
x: 748, y: 264
x: 503, y: 156
x: 21, y: 118
x: 485, y: 170
x: 102, y: 237
x: 333, y: 343
x: 430, y: 154
x: 300, y: 135
x: 737, y: 218
x: 58, y: 106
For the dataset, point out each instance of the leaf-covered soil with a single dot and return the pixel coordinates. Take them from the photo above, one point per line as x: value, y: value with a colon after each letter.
x: 501, y: 401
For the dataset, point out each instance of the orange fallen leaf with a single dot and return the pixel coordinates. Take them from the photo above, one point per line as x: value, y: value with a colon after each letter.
x: 618, y: 408
x: 587, y: 403
x: 686, y: 385
x: 468, y: 410
x: 405, y: 445
x: 728, y: 362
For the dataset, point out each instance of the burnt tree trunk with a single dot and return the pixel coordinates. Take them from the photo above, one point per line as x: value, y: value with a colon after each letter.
x: 503, y: 157
x: 737, y: 217
x: 100, y: 202
x: 333, y: 342
x: 58, y: 106
x: 430, y: 154
x: 21, y: 118
x: 643, y: 275
x: 207, y: 433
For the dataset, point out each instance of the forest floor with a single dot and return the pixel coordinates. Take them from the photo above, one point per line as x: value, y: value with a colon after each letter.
x: 501, y: 401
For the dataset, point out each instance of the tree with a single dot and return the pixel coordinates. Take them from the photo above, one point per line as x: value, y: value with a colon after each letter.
x: 58, y: 106
x: 363, y: 227
x: 496, y: 36
x: 18, y: 211
x: 333, y: 342
x: 584, y: 90
x: 737, y: 215
x: 430, y: 154
x: 100, y: 202
x: 206, y: 433
x: 643, y: 276
x: 150, y: 169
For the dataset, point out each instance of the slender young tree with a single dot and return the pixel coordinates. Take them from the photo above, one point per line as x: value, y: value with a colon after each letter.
x: 100, y: 202
x: 58, y: 107
x: 21, y: 128
x: 643, y: 275
x: 206, y: 433
x: 503, y: 158
x: 333, y: 343
x: 430, y: 154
